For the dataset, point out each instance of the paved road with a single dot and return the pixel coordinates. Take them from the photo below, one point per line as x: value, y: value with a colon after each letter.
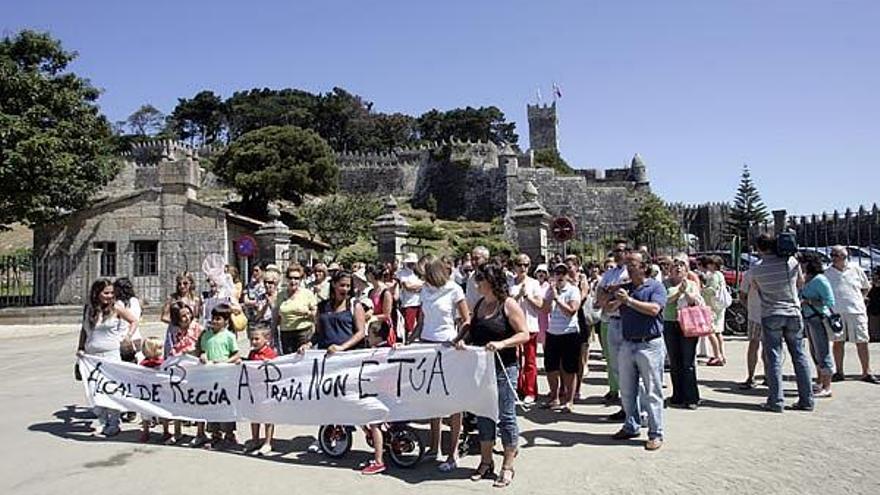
x: 727, y: 446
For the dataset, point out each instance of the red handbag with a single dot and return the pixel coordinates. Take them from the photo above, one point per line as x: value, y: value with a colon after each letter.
x: 696, y: 321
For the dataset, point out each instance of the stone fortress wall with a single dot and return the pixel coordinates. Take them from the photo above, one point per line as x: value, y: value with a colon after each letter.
x: 470, y: 180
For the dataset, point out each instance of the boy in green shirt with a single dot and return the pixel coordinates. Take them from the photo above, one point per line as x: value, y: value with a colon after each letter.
x: 219, y: 346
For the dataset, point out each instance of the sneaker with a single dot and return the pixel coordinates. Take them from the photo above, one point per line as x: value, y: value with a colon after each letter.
x: 314, y: 448
x: 251, y: 445
x: 266, y: 449
x: 869, y: 378
x: 653, y: 444
x: 447, y: 466
x: 837, y: 377
x: 529, y: 400
x: 373, y: 468
x: 822, y: 393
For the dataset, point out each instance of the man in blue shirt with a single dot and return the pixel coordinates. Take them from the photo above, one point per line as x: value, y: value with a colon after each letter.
x: 642, y: 352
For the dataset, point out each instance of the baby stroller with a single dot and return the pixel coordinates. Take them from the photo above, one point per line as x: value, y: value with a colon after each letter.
x: 468, y: 441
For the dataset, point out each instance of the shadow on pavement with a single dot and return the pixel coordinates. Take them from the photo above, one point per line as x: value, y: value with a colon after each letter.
x: 76, y: 423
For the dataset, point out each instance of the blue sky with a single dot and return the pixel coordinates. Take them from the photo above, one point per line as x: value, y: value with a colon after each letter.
x: 697, y: 87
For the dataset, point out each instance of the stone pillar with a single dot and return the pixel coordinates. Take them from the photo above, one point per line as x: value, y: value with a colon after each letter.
x: 532, y: 223
x: 273, y: 239
x: 779, y: 221
x: 392, y: 231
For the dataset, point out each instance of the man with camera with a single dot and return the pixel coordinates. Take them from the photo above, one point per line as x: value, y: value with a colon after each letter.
x: 778, y: 279
x: 642, y: 351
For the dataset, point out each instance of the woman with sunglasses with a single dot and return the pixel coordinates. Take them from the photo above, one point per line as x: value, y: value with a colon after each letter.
x: 294, y: 318
x: 498, y: 324
x: 682, y: 351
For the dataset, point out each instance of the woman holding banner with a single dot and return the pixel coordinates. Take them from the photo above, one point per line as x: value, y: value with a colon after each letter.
x: 443, y: 302
x: 498, y: 324
x: 106, y: 323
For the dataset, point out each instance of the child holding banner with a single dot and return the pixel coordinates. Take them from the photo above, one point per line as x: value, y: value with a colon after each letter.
x: 152, y: 350
x: 260, y: 351
x: 218, y: 346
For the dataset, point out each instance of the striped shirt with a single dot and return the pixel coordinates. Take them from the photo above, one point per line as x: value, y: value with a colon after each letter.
x: 776, y: 279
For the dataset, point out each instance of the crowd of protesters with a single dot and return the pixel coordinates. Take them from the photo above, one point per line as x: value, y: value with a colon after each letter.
x: 630, y: 302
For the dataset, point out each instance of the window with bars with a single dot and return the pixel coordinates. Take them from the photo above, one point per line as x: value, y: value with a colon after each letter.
x: 146, y: 258
x: 108, y: 258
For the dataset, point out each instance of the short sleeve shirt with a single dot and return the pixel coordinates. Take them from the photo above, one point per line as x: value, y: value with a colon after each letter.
x: 263, y: 354
x: 615, y: 276
x: 817, y: 289
x: 408, y: 299
x: 637, y: 325
x: 847, y: 286
x: 532, y: 289
x: 218, y: 346
x: 776, y: 278
x: 439, y: 311
x: 292, y: 311
x: 561, y: 323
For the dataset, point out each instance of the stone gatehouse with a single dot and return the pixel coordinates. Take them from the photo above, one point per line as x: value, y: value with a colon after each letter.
x: 150, y: 226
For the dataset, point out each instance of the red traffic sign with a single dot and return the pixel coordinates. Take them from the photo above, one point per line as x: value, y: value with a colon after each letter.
x: 563, y: 229
x: 245, y: 246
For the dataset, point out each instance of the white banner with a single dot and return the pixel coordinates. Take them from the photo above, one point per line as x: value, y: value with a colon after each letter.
x: 352, y: 388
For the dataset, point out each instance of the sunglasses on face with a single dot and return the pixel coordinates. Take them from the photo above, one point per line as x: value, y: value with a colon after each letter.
x: 523, y: 265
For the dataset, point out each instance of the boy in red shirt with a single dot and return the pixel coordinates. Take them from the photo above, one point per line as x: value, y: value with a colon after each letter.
x: 260, y: 351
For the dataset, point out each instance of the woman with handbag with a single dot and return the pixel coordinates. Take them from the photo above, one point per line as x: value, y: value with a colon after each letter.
x: 682, y: 350
x: 817, y: 298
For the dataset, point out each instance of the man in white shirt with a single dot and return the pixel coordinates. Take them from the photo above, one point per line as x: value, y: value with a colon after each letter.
x: 850, y: 286
x: 410, y: 289
x: 479, y: 257
x: 527, y: 291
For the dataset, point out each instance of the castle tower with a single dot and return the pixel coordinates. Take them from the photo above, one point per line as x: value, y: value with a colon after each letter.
x: 639, y: 172
x: 542, y: 126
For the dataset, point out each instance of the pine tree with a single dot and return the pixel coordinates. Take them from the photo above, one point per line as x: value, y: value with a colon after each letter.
x: 748, y: 209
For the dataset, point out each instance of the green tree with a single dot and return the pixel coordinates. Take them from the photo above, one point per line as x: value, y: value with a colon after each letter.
x: 656, y: 226
x: 54, y: 144
x: 277, y: 162
x: 199, y: 119
x: 340, y: 220
x: 476, y: 124
x: 146, y: 121
x: 551, y: 158
x: 748, y: 209
x: 257, y: 108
